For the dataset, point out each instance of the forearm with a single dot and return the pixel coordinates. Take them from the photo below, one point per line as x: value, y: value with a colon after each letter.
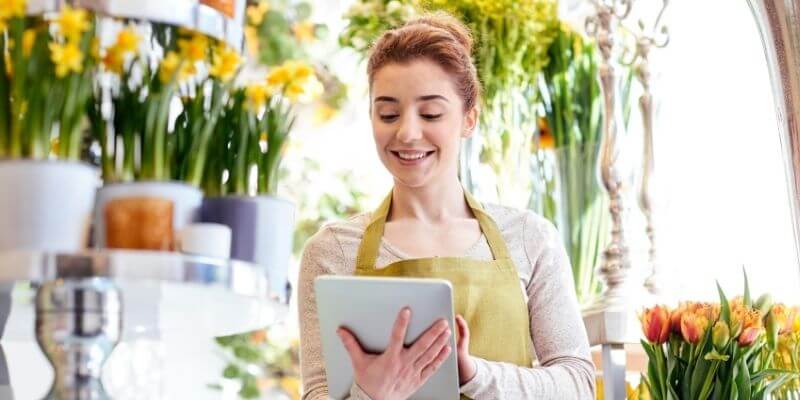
x: 563, y: 378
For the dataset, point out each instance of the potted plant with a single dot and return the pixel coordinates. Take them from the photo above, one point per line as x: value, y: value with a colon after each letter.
x: 152, y: 168
x: 45, y: 82
x: 242, y: 174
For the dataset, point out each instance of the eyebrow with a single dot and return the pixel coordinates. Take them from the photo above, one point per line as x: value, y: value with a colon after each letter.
x: 421, y: 98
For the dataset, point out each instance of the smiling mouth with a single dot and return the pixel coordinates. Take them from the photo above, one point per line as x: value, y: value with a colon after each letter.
x: 412, y: 157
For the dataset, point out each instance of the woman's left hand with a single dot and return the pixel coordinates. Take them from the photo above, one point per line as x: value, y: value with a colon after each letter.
x: 466, y: 365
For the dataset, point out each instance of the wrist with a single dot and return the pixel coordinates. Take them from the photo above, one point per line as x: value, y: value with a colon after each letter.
x: 469, y: 370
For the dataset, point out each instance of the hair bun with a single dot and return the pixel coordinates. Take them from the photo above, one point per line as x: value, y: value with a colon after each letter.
x: 447, y: 22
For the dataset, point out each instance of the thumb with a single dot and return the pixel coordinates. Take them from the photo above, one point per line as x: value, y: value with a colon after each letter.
x: 351, y: 345
x: 463, y: 332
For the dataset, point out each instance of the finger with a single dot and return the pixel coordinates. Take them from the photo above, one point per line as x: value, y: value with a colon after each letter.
x: 463, y: 331
x: 399, y: 330
x: 426, y: 340
x: 437, y: 362
x: 430, y: 354
x: 352, y: 346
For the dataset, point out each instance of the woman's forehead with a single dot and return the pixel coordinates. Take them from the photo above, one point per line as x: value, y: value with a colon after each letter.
x: 412, y: 81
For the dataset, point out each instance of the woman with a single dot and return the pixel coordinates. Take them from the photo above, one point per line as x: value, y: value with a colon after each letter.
x: 510, y: 273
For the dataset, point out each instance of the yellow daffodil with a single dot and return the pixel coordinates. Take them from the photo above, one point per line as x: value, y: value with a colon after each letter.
x: 324, y: 113
x: 226, y: 63
x: 279, y: 76
x: 193, y: 49
x: 12, y: 8
x: 67, y: 58
x: 169, y: 67
x: 304, y: 31
x: 304, y: 90
x: 300, y: 70
x: 257, y: 95
x: 114, y: 60
x: 127, y: 41
x: 72, y: 23
x: 251, y: 40
x: 255, y: 13
x: 28, y: 40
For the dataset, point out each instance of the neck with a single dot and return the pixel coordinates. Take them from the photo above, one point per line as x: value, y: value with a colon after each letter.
x: 432, y: 203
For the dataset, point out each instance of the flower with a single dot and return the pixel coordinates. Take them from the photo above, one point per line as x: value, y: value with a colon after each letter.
x: 546, y: 139
x: 193, y: 49
x: 304, y: 31
x: 127, y: 41
x: 257, y: 95
x: 67, y: 58
x: 279, y: 76
x: 655, y: 324
x: 28, y: 40
x: 12, y: 8
x: 304, y: 90
x: 72, y: 23
x: 748, y: 336
x: 255, y: 13
x: 720, y: 335
x: 693, y: 327
x: 251, y: 40
x: 169, y: 67
x: 226, y: 63
x: 114, y: 60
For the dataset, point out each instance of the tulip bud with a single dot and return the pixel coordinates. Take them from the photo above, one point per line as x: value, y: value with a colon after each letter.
x: 693, y: 327
x: 655, y: 324
x: 748, y: 336
x: 763, y: 304
x: 773, y: 329
x: 720, y: 335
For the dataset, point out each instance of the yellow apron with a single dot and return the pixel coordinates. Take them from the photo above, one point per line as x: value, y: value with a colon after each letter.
x: 486, y: 293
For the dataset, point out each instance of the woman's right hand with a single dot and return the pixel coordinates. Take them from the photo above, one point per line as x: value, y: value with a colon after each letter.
x: 398, y: 372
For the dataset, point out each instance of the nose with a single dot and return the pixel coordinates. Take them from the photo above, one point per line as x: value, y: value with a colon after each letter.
x: 410, y: 129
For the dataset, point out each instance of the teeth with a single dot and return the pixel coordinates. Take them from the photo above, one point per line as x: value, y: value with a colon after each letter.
x: 410, y: 155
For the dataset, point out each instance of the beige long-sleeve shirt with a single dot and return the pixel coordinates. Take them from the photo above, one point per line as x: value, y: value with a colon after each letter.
x: 564, y: 369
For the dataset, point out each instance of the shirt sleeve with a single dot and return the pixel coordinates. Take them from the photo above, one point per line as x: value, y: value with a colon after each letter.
x: 557, y: 331
x: 321, y: 256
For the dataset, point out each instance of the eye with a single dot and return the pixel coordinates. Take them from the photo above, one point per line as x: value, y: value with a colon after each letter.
x: 388, y: 117
x: 431, y: 117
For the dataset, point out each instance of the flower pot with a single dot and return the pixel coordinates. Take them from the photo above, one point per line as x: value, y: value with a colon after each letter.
x: 144, y: 215
x: 46, y: 205
x: 262, y: 233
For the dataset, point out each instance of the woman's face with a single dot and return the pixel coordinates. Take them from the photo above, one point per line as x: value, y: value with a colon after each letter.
x: 418, y: 121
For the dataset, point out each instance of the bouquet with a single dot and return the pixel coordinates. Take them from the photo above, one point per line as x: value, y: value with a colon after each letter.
x: 725, y: 350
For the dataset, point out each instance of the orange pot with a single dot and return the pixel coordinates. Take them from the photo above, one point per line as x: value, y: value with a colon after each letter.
x: 142, y: 223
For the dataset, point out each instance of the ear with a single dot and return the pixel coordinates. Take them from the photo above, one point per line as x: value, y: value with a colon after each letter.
x: 470, y: 122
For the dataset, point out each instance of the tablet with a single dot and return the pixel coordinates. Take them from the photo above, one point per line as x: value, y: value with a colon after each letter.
x: 368, y: 307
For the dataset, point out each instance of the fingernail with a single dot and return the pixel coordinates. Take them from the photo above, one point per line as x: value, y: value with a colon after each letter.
x: 447, y: 332
x: 406, y: 312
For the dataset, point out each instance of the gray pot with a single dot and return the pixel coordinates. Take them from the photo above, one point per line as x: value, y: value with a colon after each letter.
x: 262, y: 233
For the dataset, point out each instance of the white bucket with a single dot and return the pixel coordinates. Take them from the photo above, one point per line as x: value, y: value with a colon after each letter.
x: 46, y: 205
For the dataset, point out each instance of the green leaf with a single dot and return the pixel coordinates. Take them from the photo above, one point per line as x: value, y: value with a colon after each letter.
x: 725, y: 309
x: 743, y: 383
x: 713, y: 355
x: 748, y: 302
x: 231, y: 371
x: 302, y: 11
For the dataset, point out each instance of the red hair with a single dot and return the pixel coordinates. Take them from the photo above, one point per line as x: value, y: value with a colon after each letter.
x: 436, y: 37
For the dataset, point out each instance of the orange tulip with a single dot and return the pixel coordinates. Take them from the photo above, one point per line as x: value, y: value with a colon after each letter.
x: 749, y: 335
x: 675, y: 317
x: 693, y: 327
x: 655, y: 324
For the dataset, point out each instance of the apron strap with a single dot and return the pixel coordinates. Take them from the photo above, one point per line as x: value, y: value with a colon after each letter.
x: 489, y: 228
x: 368, y: 249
